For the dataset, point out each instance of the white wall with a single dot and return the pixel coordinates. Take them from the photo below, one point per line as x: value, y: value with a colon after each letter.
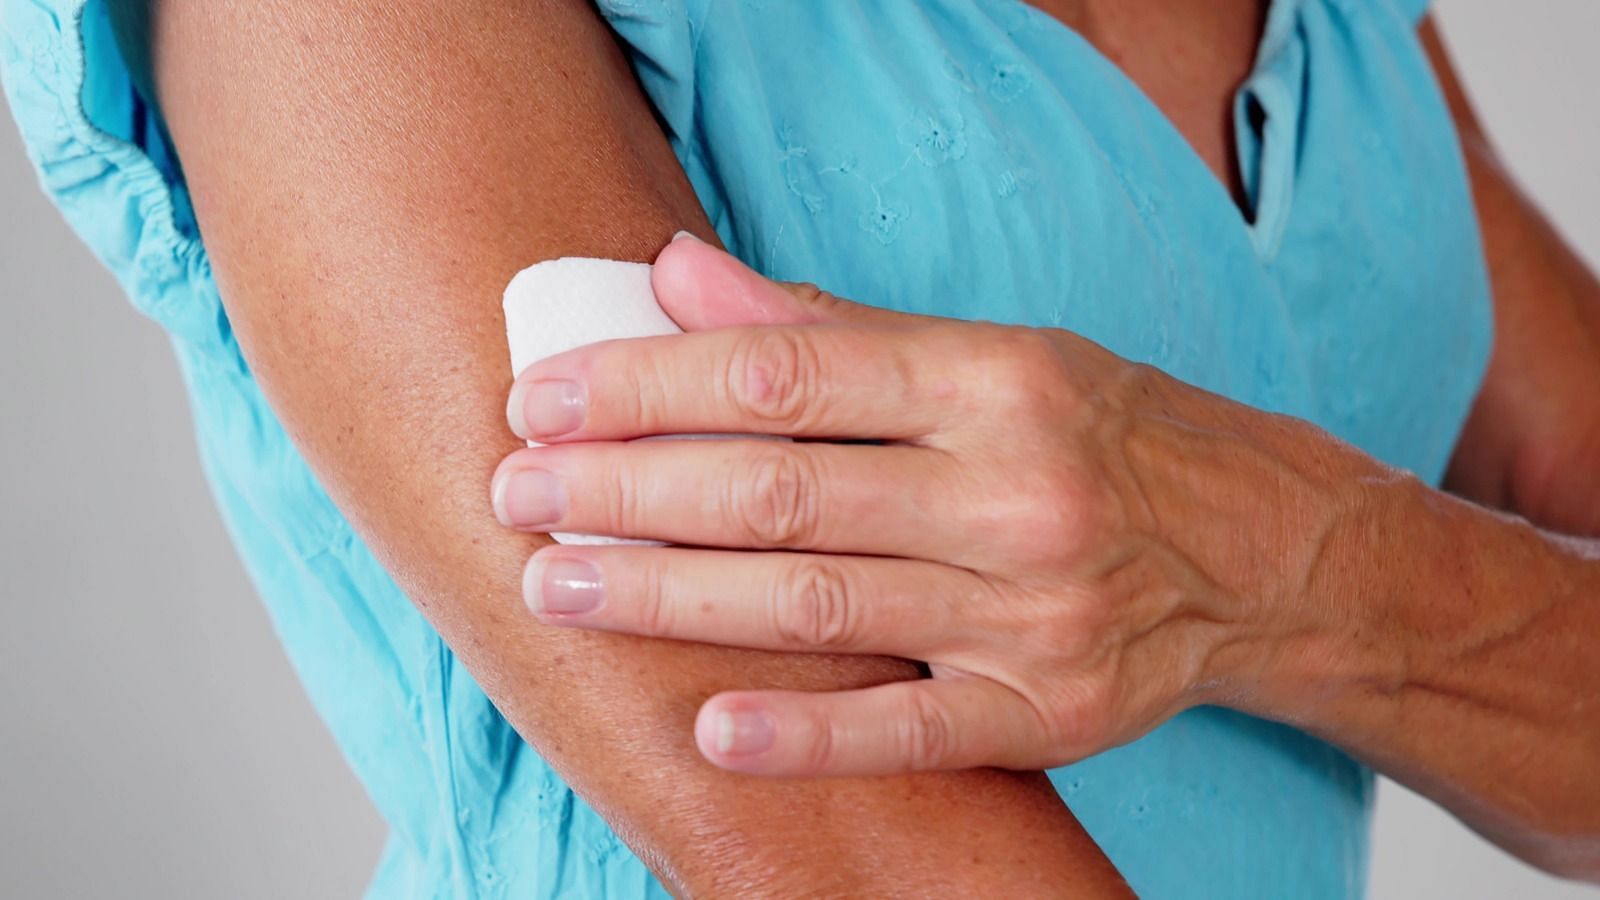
x: 153, y: 741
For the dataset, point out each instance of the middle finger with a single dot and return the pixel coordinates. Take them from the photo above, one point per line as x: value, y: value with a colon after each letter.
x: 890, y: 500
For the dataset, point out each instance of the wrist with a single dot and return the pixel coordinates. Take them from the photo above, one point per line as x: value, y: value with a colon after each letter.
x: 1349, y: 631
x: 1338, y: 622
x: 1410, y: 583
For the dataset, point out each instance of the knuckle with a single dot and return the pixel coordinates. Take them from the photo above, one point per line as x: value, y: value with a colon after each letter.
x: 622, y: 499
x: 1024, y: 374
x: 654, y: 607
x: 777, y: 506
x: 1046, y: 524
x: 772, y: 376
x: 1076, y: 633
x: 820, y: 752
x: 647, y: 391
x: 814, y: 297
x: 816, y: 610
x: 927, y: 735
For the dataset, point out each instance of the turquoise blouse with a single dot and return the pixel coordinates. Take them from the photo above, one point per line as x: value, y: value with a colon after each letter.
x: 964, y: 158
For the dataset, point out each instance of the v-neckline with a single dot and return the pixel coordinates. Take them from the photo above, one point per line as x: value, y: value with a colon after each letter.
x: 1260, y: 161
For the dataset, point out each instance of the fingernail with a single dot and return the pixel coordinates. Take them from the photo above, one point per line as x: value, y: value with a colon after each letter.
x: 685, y: 234
x: 744, y: 732
x: 530, y: 498
x: 563, y: 587
x: 547, y: 408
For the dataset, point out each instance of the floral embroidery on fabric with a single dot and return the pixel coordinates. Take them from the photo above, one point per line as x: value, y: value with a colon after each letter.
x: 799, y: 176
x: 603, y: 849
x: 805, y: 180
x: 1015, y: 181
x: 953, y: 71
x: 1017, y: 16
x: 1008, y: 81
x: 935, y: 137
x: 883, y: 222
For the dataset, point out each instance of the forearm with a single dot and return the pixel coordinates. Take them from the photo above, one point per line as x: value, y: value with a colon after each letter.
x: 615, y: 715
x: 367, y: 178
x: 1453, y: 648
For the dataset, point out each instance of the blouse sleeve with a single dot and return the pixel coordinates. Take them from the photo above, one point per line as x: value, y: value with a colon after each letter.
x: 100, y: 158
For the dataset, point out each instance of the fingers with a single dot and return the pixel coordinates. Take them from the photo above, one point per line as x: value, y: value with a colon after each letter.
x: 892, y: 500
x: 813, y: 381
x: 796, y: 602
x: 909, y: 726
x: 702, y: 287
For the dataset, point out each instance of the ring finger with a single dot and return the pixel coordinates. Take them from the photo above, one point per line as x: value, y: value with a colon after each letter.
x: 797, y: 602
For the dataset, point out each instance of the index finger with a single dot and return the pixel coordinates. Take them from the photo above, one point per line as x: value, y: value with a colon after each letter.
x: 822, y: 380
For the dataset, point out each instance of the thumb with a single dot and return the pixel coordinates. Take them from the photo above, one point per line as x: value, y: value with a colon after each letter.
x: 702, y: 287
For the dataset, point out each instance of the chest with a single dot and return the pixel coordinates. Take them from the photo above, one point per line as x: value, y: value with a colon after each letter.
x: 1189, y: 58
x: 982, y: 159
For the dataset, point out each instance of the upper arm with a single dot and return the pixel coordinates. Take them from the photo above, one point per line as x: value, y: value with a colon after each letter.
x: 367, y: 177
x: 1534, y: 432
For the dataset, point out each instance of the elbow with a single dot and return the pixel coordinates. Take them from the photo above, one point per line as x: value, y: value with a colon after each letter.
x: 1572, y: 859
x: 1569, y: 848
x: 1551, y: 483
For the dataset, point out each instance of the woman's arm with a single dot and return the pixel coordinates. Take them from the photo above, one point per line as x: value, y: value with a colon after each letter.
x: 1532, y: 444
x: 1137, y: 545
x: 368, y: 176
x: 1475, y: 682
x: 1454, y: 649
x: 1131, y: 547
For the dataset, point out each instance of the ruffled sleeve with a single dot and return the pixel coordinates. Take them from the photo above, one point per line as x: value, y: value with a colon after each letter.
x: 96, y: 150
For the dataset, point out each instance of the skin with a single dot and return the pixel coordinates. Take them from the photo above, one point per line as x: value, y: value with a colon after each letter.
x: 296, y: 193
x: 1134, y: 546
x: 367, y: 177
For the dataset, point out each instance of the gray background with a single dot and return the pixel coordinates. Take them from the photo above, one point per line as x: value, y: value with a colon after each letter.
x: 153, y: 740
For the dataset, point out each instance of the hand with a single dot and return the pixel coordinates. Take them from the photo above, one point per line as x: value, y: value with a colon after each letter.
x: 1078, y: 546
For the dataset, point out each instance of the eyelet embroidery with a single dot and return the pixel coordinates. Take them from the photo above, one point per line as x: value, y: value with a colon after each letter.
x: 1014, y: 181
x: 883, y: 222
x: 953, y: 71
x: 798, y: 175
x: 1008, y: 81
x: 935, y: 137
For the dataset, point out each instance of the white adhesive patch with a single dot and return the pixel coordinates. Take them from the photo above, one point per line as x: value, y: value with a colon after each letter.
x: 555, y: 306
